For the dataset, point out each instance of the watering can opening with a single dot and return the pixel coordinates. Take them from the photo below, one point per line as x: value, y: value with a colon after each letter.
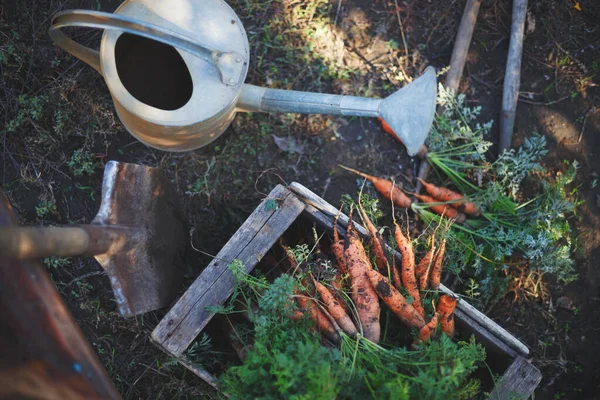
x: 153, y: 72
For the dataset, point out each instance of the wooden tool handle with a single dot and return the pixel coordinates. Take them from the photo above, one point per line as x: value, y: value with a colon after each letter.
x: 23, y: 242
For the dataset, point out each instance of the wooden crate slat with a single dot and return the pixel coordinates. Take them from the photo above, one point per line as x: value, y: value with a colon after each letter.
x: 248, y: 230
x: 518, y: 382
x: 483, y: 335
x: 318, y: 203
x: 215, y: 284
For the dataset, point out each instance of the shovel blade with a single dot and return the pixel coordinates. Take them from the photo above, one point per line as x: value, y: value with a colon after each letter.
x: 145, y: 267
x: 410, y: 111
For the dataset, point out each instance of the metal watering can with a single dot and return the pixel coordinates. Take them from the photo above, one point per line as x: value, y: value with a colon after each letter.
x: 176, y: 71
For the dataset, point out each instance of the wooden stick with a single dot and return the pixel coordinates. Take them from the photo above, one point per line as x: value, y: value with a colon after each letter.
x: 512, y: 75
x: 457, y: 65
x: 44, y: 353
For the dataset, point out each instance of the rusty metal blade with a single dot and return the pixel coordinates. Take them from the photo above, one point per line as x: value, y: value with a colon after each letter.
x: 146, y: 267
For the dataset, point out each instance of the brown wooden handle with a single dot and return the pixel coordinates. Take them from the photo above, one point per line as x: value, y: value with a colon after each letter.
x: 24, y: 242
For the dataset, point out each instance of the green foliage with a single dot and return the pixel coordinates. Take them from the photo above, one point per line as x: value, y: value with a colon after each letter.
x: 56, y: 262
x: 30, y: 109
x: 83, y: 163
x: 201, y: 351
x: 287, y: 359
x: 525, y: 210
x: 437, y: 369
x: 46, y: 207
x: 369, y: 204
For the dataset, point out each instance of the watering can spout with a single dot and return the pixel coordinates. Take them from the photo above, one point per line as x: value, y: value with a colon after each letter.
x: 409, y: 111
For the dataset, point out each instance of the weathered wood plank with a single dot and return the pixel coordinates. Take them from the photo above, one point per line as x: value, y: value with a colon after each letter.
x: 247, y: 231
x: 200, y: 372
x: 491, y: 342
x: 215, y: 284
x: 518, y: 382
x: 319, y: 204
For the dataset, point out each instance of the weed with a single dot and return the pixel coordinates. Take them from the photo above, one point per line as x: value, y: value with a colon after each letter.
x: 87, y: 189
x: 81, y: 290
x: 56, y: 262
x: 200, y: 351
x: 83, y: 163
x: 201, y: 185
x: 46, y: 207
x: 30, y: 109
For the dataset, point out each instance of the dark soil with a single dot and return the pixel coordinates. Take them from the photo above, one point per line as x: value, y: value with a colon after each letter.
x: 55, y: 107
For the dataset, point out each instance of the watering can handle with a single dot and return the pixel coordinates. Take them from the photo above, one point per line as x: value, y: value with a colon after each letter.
x: 229, y: 64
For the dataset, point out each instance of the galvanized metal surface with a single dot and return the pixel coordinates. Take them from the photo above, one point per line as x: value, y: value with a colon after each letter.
x: 229, y: 64
x: 145, y: 268
x: 409, y: 111
x: 212, y: 38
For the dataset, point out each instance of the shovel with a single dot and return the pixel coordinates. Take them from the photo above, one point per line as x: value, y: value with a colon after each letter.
x: 138, y: 237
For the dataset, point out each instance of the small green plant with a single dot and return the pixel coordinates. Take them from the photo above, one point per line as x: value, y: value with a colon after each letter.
x: 30, y: 109
x: 56, y: 262
x: 201, y: 185
x: 83, y: 163
x: 46, y: 207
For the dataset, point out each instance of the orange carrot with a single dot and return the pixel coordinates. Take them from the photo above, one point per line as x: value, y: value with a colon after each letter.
x: 436, y: 269
x: 408, y: 269
x: 321, y: 320
x: 424, y: 267
x: 362, y: 294
x: 441, y: 209
x: 395, y: 301
x: 445, y: 307
x: 386, y: 188
x: 338, y: 288
x: 426, y: 331
x: 396, y: 275
x: 446, y: 195
x: 337, y: 247
x: 376, y: 242
x: 335, y: 309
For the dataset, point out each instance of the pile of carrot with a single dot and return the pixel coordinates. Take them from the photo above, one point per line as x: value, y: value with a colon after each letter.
x: 369, y: 283
x: 440, y: 200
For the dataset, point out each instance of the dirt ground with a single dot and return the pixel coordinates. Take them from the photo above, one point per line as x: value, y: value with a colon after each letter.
x: 59, y: 127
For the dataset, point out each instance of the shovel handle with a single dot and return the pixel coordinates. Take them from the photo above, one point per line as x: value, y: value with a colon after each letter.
x: 24, y: 242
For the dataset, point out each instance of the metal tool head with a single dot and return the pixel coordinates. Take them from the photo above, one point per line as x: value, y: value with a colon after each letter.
x: 145, y: 266
x: 409, y: 111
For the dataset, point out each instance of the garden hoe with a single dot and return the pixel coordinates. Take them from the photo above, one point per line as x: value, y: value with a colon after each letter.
x: 138, y: 237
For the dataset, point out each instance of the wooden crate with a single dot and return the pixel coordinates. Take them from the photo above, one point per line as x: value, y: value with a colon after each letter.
x: 188, y: 317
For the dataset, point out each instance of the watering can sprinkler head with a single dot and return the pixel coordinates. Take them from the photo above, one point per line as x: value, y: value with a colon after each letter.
x: 410, y: 111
